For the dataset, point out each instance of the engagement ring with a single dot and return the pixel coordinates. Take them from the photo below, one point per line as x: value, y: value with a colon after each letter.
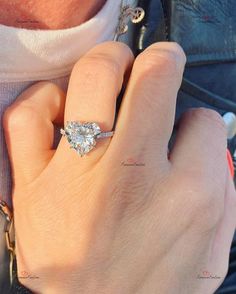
x: 82, y: 136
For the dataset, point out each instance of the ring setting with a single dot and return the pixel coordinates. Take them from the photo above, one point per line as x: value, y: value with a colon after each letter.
x: 82, y: 136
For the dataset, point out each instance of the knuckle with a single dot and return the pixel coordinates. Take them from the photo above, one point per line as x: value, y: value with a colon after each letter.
x: 49, y: 86
x: 202, y: 205
x: 172, y: 47
x: 17, y: 116
x: 164, y: 60
x: 207, y: 210
x: 44, y: 84
x: 160, y: 63
x: 99, y: 65
x: 209, y: 115
x: 118, y: 46
x: 111, y: 48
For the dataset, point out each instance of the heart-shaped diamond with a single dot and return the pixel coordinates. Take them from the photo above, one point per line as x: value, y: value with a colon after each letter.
x: 81, y: 136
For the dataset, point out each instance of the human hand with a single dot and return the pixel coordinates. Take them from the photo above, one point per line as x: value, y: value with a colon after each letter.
x: 99, y: 224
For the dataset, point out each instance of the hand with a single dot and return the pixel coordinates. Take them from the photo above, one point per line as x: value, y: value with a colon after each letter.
x: 126, y: 218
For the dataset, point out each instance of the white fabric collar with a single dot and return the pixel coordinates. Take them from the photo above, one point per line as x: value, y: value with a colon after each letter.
x: 27, y: 55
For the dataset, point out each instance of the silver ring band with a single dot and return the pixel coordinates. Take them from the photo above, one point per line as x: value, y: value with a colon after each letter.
x: 105, y: 135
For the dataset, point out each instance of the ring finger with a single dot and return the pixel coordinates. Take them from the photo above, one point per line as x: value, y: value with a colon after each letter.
x: 95, y: 83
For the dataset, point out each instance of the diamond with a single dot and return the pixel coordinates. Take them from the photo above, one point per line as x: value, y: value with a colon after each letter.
x: 81, y: 136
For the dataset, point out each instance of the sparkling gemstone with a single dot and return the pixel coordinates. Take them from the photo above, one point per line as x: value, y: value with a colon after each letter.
x: 82, y: 136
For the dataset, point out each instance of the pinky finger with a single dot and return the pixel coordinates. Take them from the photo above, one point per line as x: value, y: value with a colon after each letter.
x: 226, y: 229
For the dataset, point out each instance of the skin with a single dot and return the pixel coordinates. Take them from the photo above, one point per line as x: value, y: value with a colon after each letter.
x: 95, y: 225
x: 32, y: 14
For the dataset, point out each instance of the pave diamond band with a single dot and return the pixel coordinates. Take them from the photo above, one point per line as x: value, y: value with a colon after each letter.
x: 82, y: 136
x: 105, y: 135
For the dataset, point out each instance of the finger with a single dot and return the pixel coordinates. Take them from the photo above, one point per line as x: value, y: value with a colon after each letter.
x: 201, y: 143
x: 226, y: 228
x: 147, y: 113
x: 29, y: 129
x: 199, y: 153
x: 95, y: 83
